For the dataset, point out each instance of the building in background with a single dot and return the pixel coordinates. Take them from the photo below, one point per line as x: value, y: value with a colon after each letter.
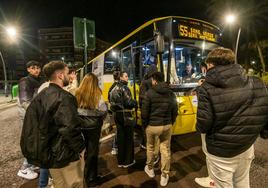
x: 52, y: 44
x: 57, y: 43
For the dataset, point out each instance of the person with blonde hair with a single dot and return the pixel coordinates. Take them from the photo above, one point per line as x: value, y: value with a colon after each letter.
x: 92, y: 110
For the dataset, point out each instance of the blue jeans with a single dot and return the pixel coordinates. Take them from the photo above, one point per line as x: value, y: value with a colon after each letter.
x: 43, y: 178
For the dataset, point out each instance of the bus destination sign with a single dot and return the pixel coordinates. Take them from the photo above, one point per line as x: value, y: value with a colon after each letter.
x: 198, y: 30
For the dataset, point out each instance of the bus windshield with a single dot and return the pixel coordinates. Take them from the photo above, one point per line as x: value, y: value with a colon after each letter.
x: 188, y: 63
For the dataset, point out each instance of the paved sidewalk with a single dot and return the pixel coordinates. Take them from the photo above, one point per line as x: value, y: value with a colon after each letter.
x: 6, y: 102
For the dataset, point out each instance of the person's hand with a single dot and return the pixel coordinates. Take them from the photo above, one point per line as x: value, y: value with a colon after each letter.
x: 201, y: 81
x: 73, y: 76
x: 82, y: 154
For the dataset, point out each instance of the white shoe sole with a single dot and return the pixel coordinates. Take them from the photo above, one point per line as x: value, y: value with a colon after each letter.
x: 129, y: 165
x: 162, y: 184
x: 146, y: 170
x: 20, y: 174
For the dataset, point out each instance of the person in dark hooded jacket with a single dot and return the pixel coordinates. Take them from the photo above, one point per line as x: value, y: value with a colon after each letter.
x: 159, y: 112
x: 27, y: 88
x: 146, y: 84
x: 232, y: 112
x: 116, y: 75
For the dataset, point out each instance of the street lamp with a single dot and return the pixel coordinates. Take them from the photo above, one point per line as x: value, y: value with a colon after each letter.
x: 231, y: 19
x: 11, y: 32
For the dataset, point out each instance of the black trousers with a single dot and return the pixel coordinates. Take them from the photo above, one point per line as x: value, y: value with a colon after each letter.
x: 92, y: 137
x: 125, y: 143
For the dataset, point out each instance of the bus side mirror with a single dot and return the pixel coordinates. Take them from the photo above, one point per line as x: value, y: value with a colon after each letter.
x: 159, y: 42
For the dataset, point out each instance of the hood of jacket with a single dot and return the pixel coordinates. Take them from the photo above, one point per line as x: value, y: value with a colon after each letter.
x: 227, y: 76
x: 162, y: 88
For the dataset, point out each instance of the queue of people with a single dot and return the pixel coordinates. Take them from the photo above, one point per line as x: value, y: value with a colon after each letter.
x: 61, y: 129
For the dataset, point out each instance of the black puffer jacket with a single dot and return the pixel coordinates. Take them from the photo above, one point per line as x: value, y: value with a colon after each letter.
x: 232, y: 110
x: 120, y: 97
x: 51, y: 136
x: 159, y: 107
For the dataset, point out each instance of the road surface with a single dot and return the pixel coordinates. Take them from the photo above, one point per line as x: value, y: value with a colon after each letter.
x: 187, y: 161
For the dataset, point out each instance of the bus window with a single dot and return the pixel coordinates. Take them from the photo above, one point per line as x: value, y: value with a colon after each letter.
x: 188, y: 62
x: 127, y: 63
x: 111, y: 62
x: 148, y: 56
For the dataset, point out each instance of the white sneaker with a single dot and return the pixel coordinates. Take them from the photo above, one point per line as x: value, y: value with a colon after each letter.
x: 129, y: 165
x: 50, y: 182
x: 149, y: 172
x: 34, y: 168
x: 164, y: 180
x: 114, y: 151
x: 27, y: 174
x: 205, y: 182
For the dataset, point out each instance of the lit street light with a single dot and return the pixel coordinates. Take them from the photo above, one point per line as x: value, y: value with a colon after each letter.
x: 231, y: 19
x: 11, y: 32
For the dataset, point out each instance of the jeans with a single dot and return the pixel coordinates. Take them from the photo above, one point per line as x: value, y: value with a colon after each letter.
x: 69, y: 176
x: 231, y: 172
x: 43, y: 178
x: 163, y: 134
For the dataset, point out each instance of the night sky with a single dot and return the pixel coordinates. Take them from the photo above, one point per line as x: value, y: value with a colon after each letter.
x: 114, y: 19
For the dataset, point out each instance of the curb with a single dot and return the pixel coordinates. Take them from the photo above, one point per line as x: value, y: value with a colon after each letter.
x: 10, y: 104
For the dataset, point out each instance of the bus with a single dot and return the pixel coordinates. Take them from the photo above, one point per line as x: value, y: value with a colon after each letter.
x: 178, y: 47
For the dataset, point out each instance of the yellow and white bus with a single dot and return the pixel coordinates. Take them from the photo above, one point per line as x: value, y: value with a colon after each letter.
x: 177, y: 45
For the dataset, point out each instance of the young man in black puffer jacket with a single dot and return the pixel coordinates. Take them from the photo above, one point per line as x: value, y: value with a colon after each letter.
x: 232, y: 112
x: 159, y: 112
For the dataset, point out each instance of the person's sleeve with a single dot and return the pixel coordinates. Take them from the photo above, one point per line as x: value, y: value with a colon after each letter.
x: 103, y: 107
x: 145, y: 110
x: 127, y: 99
x: 204, y: 112
x: 174, y: 110
x: 24, y: 97
x: 264, y: 132
x: 67, y: 116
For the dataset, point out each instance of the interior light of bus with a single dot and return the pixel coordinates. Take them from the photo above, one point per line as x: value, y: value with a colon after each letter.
x: 178, y: 49
x: 198, y: 55
x: 114, y: 53
x: 203, y: 45
x: 174, y: 21
x: 147, y: 49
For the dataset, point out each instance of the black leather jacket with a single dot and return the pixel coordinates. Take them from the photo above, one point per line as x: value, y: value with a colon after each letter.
x: 120, y: 97
x: 28, y: 87
x: 51, y: 135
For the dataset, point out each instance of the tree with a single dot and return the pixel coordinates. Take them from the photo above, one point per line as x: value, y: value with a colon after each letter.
x: 252, y: 17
